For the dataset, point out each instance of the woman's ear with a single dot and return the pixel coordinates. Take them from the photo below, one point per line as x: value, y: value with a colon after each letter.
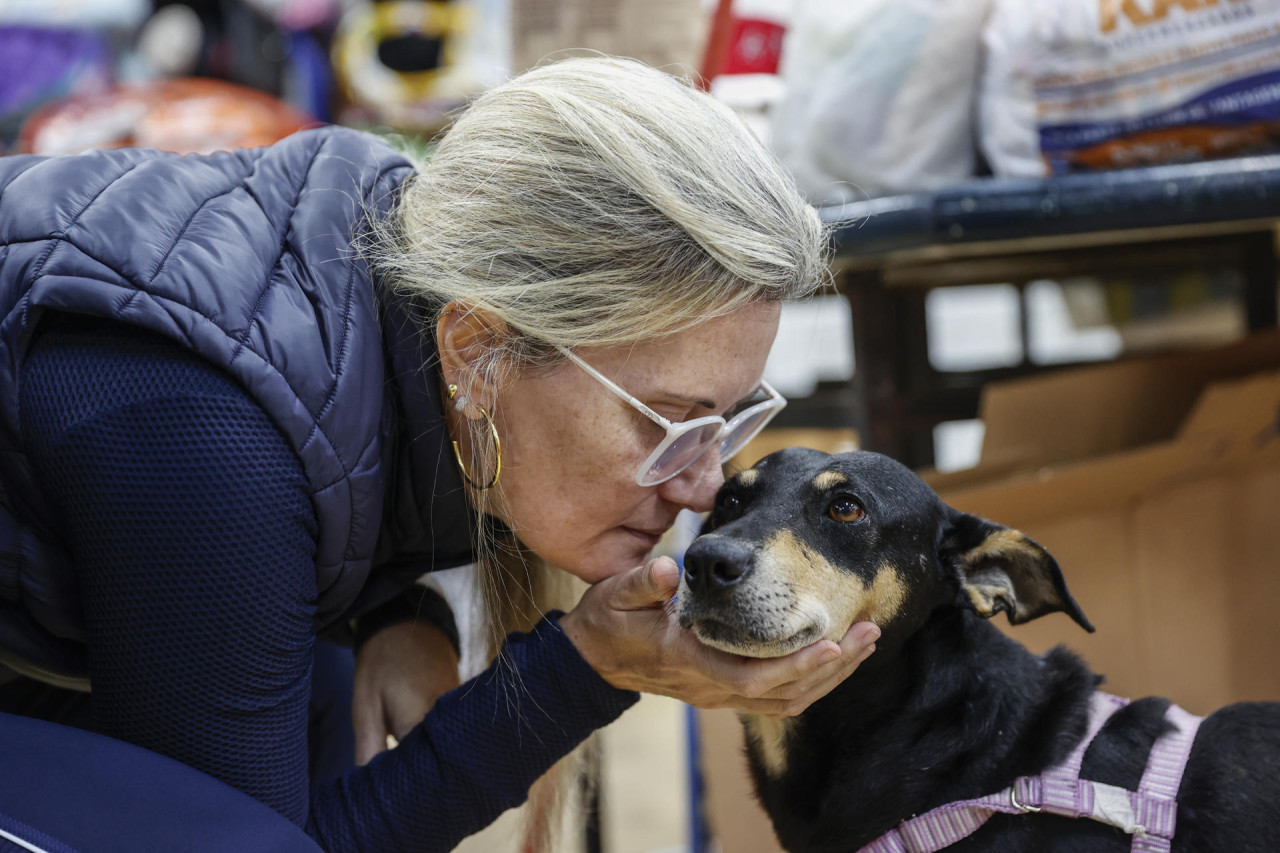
x: 468, y: 339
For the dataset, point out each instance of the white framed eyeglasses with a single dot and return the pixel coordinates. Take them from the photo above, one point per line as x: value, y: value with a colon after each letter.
x: 686, y: 441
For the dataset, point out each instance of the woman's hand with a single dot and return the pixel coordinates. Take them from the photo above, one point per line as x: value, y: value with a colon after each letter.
x: 400, y: 673
x: 625, y: 629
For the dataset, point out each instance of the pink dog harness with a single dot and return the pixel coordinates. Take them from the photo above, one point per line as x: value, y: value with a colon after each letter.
x: 1148, y: 814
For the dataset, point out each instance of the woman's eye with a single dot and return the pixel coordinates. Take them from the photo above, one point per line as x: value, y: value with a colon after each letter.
x: 846, y: 510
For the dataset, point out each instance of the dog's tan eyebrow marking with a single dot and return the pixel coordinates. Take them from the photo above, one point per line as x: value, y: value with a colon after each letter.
x: 747, y: 477
x: 769, y: 738
x: 829, y: 480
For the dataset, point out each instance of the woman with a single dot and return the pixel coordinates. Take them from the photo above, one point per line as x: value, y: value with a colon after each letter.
x: 249, y: 398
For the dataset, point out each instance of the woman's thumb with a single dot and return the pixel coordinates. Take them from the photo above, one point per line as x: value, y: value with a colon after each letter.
x: 650, y: 585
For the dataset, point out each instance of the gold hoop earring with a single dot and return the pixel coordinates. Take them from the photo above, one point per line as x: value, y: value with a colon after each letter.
x: 497, y: 446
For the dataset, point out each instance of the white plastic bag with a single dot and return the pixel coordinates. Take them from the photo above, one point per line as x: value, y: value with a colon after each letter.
x: 879, y: 95
x: 1074, y: 85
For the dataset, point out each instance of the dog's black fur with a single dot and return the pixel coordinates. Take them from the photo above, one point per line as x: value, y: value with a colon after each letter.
x: 947, y: 708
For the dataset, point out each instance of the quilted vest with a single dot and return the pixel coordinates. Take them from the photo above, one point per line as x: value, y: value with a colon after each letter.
x: 244, y: 257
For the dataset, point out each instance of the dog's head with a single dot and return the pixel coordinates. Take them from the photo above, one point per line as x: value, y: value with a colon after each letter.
x: 805, y: 544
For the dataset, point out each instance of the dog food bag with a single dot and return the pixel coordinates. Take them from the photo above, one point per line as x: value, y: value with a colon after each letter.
x: 1078, y: 85
x: 879, y: 95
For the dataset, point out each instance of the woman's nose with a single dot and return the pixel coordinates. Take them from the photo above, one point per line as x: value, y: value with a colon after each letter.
x: 695, y: 487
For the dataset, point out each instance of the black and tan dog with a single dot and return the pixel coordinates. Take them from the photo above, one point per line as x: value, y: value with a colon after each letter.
x: 948, y: 708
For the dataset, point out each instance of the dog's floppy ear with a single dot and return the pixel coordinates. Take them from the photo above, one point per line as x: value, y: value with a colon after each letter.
x: 1001, y: 569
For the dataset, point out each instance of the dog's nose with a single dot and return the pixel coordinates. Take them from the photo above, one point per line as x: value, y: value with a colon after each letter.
x: 713, y: 564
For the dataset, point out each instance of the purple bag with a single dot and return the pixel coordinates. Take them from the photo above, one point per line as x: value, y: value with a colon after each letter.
x: 39, y: 65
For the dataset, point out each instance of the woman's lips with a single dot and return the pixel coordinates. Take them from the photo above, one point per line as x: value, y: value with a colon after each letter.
x: 648, y: 537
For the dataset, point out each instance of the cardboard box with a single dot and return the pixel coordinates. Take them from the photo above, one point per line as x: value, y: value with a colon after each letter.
x: 737, y: 822
x: 1156, y: 484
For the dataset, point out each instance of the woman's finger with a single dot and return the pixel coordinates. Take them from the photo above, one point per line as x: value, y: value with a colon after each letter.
x: 856, y: 646
x: 800, y: 672
x: 859, y: 636
x: 645, y: 587
x: 790, y: 701
x: 830, y: 681
x: 854, y: 649
x: 756, y: 678
x: 751, y: 677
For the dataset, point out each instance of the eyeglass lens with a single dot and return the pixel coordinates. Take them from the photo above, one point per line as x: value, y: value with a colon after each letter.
x: 743, y: 431
x: 682, y: 452
x: 688, y: 447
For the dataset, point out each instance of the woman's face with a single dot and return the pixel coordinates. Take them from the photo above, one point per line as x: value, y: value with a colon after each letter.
x: 571, y: 447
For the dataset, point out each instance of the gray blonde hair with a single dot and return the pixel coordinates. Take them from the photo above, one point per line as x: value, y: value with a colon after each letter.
x: 591, y: 202
x: 600, y: 202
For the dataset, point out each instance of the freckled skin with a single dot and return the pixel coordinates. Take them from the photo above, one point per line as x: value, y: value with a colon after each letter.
x: 571, y: 447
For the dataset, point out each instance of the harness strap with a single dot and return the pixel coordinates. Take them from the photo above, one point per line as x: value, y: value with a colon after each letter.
x: 940, y: 828
x: 1148, y: 814
x: 1158, y: 790
x: 1060, y: 791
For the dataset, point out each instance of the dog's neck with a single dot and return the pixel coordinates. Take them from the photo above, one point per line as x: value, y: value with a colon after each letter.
x: 956, y: 710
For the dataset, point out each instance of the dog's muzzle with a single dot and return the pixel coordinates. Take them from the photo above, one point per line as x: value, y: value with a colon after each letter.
x: 733, y: 601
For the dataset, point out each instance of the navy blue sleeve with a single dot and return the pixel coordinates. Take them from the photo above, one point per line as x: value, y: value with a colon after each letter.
x: 189, y: 520
x: 190, y: 524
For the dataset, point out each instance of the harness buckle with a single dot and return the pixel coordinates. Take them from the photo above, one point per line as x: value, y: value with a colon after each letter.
x: 1013, y: 799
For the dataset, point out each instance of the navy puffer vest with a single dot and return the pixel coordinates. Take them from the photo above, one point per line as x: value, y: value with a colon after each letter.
x: 246, y: 258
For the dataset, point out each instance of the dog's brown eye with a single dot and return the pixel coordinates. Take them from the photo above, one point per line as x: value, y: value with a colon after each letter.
x: 846, y: 510
x: 730, y: 502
